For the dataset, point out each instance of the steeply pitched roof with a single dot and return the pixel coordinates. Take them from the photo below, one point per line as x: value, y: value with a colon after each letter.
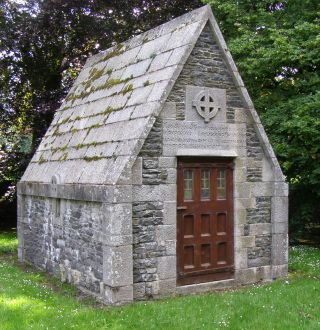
x: 109, y: 111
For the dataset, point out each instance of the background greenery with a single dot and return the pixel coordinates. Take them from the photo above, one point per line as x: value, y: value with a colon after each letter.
x: 275, y: 44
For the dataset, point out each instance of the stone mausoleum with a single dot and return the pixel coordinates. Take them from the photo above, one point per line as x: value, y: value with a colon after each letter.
x: 156, y: 177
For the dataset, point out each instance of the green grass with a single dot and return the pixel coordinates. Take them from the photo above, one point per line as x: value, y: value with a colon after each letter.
x: 8, y: 242
x: 32, y: 300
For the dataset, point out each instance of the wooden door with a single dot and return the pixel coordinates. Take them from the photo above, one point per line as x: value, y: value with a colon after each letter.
x: 204, y: 220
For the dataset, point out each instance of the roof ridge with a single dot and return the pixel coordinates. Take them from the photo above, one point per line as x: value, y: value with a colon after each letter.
x: 162, y: 29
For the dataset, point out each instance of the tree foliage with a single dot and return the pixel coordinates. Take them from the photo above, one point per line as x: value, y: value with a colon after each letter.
x: 43, y: 46
x: 275, y: 45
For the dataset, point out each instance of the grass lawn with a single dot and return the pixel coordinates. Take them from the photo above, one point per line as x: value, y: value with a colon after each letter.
x: 32, y: 300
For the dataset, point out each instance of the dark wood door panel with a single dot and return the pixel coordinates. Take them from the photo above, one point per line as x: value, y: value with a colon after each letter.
x: 204, y: 220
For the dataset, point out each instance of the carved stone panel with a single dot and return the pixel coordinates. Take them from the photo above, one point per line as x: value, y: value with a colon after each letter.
x: 205, y: 104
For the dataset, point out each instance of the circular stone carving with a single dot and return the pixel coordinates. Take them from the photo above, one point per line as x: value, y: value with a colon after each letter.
x: 205, y: 105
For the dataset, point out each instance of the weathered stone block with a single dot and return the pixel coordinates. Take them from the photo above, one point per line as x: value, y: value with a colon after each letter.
x: 260, y: 229
x: 240, y: 216
x: 264, y: 273
x: 247, y: 241
x: 118, y: 295
x: 166, y: 267
x: 258, y: 262
x: 280, y: 228
x: 170, y: 246
x: 279, y: 271
x: 169, y: 213
x: 219, y: 101
x: 281, y: 189
x: 240, y: 174
x: 165, y: 232
x: 122, y: 193
x: 155, y: 193
x: 167, y: 287
x: 118, y: 222
x: 279, y: 249
x: 169, y: 111
x: 238, y: 230
x: 243, y: 190
x: 171, y: 176
x: 263, y: 189
x: 246, y: 276
x: 241, y: 258
x: 117, y: 265
x: 168, y: 162
x: 279, y: 209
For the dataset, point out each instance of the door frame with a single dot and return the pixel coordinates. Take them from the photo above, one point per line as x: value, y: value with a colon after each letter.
x: 213, y: 274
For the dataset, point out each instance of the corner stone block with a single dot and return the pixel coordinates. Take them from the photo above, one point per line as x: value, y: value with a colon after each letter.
x: 279, y: 249
x: 279, y: 271
x: 243, y: 190
x: 240, y: 216
x: 240, y: 174
x: 169, y: 213
x: 247, y: 241
x: 165, y: 233
x: 172, y: 176
x: 167, y: 162
x: 122, y: 194
x: 118, y: 222
x: 161, y: 192
x: 281, y: 189
x: 167, y: 267
x: 20, y: 241
x: 238, y: 230
x: 264, y: 273
x: 263, y: 188
x: 117, y: 265
x: 241, y: 259
x: 244, y: 203
x: 171, y: 248
x: 279, y: 209
x: 280, y: 228
x: 246, y: 276
x: 258, y: 262
x: 167, y: 287
x: 260, y: 229
x: 119, y: 295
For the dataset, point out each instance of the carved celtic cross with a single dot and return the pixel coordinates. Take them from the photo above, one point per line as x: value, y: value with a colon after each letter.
x: 205, y: 105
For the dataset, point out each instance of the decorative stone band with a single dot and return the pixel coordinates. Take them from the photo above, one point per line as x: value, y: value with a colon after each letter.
x: 206, y: 153
x: 91, y: 193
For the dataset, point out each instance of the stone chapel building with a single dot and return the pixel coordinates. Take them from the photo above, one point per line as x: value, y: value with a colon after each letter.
x: 156, y: 176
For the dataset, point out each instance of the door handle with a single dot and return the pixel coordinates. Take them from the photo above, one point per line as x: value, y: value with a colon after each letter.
x: 181, y: 208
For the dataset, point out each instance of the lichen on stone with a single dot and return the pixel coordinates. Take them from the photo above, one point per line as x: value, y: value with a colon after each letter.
x: 127, y: 89
x: 93, y: 158
x: 117, y: 50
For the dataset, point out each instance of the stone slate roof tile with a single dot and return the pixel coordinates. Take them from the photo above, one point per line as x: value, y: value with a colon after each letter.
x: 103, y: 122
